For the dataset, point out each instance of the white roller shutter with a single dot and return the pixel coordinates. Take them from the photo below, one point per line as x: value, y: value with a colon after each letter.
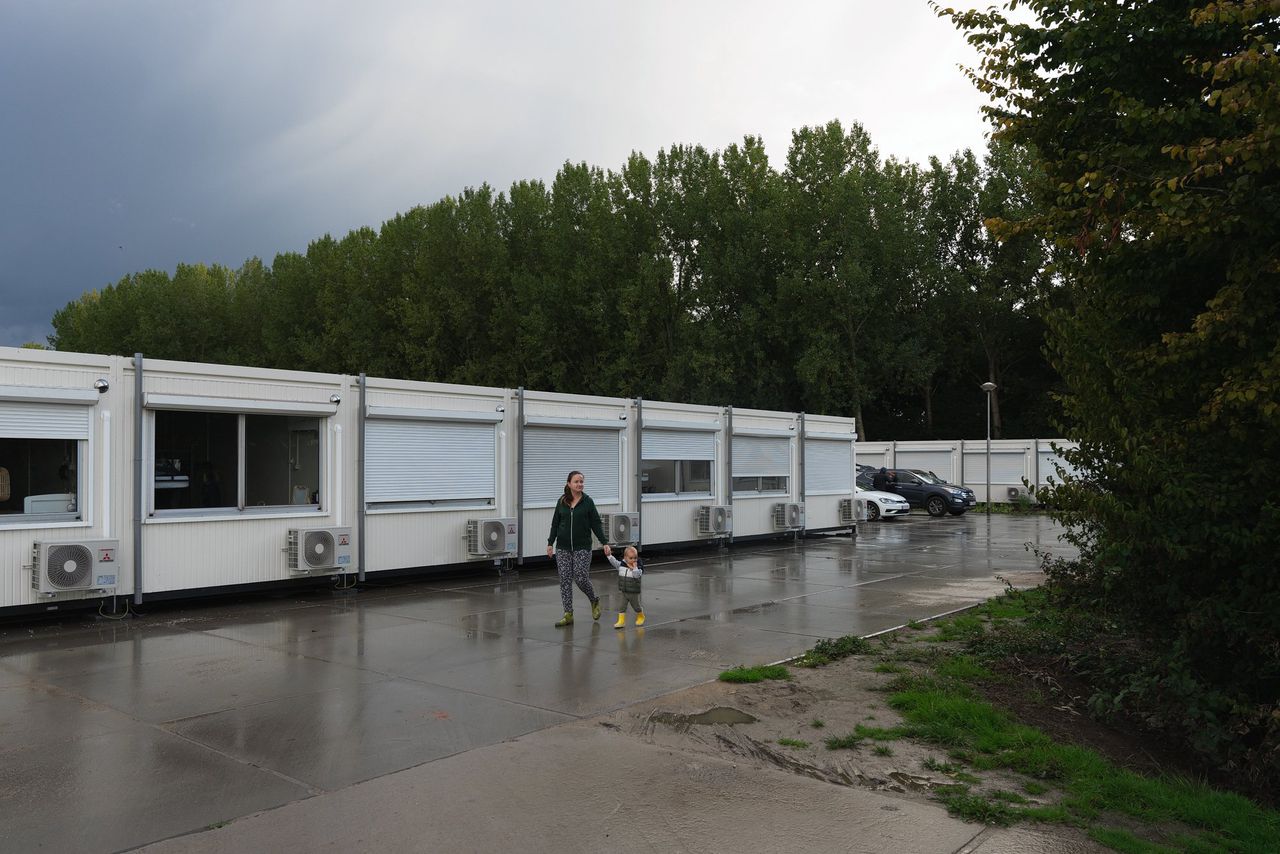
x: 550, y: 453
x: 1007, y: 467
x: 759, y: 456
x: 1049, y: 470
x: 938, y: 462
x: 828, y: 467
x: 429, y: 461
x: 43, y: 421
x: 679, y: 445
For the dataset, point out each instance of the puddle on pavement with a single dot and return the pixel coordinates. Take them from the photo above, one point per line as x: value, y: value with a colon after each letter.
x: 718, y: 715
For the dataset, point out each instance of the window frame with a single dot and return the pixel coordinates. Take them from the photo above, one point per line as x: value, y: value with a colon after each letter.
x: 82, y: 516
x: 760, y: 489
x: 678, y: 479
x: 239, y: 510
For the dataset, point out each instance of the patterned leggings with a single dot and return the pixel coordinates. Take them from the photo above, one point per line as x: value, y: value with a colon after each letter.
x: 575, y: 568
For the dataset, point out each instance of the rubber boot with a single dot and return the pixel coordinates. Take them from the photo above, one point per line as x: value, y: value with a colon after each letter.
x: 640, y: 619
x: 622, y: 621
x: 595, y: 610
x: 566, y: 620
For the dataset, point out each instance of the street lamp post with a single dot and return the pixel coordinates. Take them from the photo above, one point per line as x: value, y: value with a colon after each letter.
x: 988, y: 387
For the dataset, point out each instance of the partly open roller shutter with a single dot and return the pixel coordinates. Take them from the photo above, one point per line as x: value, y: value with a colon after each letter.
x: 760, y: 456
x: 679, y: 445
x: 43, y: 421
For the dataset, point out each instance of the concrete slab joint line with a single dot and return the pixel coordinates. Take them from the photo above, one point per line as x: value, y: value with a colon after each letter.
x: 328, y: 722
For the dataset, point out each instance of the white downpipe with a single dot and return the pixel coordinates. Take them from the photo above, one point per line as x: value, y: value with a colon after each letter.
x: 337, y: 475
x: 106, y: 474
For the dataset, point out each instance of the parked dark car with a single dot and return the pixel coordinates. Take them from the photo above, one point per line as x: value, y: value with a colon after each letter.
x: 927, y: 490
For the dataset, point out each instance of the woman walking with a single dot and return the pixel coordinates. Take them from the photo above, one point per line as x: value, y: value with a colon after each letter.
x: 573, y: 521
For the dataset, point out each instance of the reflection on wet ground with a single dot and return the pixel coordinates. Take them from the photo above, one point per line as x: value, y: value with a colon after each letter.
x: 187, y: 717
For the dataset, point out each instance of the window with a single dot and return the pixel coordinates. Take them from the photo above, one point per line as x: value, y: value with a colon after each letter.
x: 677, y: 462
x: 763, y: 484
x: 675, y: 477
x: 39, y: 479
x: 202, y: 459
x: 42, y: 456
x: 761, y: 465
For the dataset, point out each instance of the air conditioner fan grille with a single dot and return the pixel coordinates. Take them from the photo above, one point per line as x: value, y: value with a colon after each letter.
x: 68, y: 566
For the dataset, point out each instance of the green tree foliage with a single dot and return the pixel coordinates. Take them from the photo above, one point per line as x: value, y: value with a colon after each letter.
x: 840, y: 283
x: 1158, y: 140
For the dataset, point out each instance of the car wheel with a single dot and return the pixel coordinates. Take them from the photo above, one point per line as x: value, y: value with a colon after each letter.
x: 873, y: 512
x: 936, y: 506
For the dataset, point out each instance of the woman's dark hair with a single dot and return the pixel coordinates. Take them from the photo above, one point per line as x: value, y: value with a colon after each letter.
x: 568, y: 493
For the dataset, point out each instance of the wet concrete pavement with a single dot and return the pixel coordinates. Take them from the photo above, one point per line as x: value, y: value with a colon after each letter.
x: 117, y: 734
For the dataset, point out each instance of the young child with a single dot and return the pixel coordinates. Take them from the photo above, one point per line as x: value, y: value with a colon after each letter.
x: 629, y: 572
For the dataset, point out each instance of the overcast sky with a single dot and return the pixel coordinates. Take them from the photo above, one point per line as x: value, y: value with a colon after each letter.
x: 138, y: 134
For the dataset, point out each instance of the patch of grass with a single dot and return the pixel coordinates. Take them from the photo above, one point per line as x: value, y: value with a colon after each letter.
x: 1032, y: 787
x: 843, y: 742
x: 755, y: 674
x: 1126, y: 843
x: 1013, y: 605
x: 1007, y: 797
x: 882, y: 750
x: 915, y: 625
x: 940, y: 711
x: 793, y: 742
x: 817, y: 723
x: 965, y: 627
x: 979, y: 809
x: 833, y: 649
x: 889, y: 667
x: 963, y: 667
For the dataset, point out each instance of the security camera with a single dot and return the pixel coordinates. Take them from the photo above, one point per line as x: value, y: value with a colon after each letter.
x: 101, y: 385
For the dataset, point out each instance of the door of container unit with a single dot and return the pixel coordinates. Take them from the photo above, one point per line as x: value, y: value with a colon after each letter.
x: 677, y: 475
x: 441, y: 469
x: 761, y: 477
x: 828, y: 478
x: 550, y: 453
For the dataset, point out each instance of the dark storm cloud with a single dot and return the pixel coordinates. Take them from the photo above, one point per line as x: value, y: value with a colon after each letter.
x: 138, y: 135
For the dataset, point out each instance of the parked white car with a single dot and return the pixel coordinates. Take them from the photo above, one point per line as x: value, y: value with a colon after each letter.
x: 882, y: 504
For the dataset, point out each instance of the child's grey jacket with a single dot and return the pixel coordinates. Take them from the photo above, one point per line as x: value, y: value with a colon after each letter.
x: 628, y: 579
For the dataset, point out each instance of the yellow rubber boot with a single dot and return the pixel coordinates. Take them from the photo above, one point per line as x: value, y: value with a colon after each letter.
x: 566, y: 620
x: 640, y: 619
x: 622, y: 622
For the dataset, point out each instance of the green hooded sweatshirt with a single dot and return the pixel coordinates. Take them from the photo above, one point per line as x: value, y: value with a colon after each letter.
x: 572, y: 527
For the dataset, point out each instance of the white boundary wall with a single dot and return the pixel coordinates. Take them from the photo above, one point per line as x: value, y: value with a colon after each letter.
x: 1015, y: 463
x: 433, y: 456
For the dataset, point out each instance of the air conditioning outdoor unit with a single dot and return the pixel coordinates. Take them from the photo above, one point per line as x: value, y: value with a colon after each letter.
x: 1016, y: 492
x: 788, y: 517
x: 492, y: 537
x: 78, y: 565
x: 623, y: 529
x: 846, y: 511
x: 714, y: 520
x: 319, y: 549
